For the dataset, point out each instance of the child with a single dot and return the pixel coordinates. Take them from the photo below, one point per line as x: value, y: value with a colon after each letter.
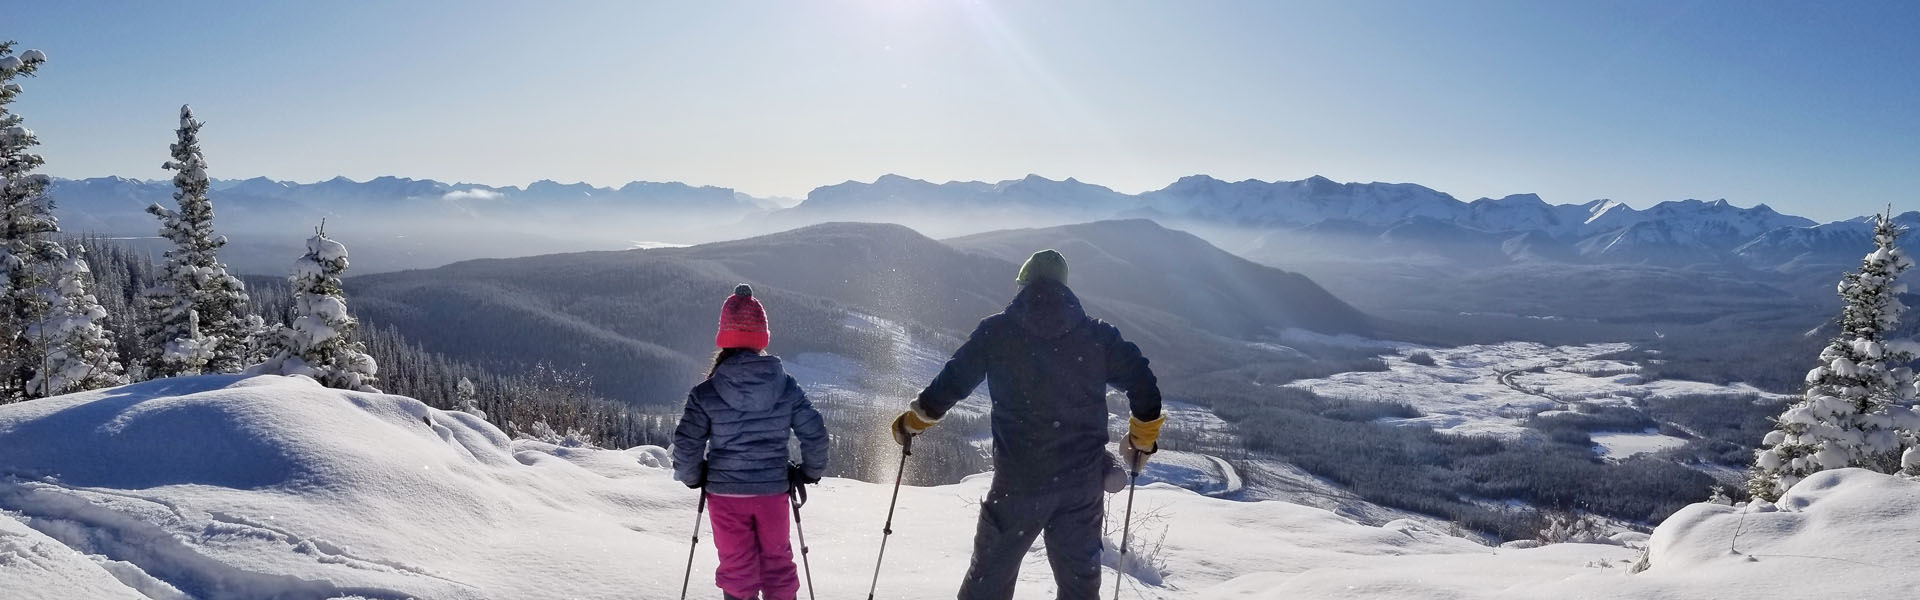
x: 732, y: 440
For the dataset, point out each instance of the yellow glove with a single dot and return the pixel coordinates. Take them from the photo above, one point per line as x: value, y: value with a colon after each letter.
x: 1143, y: 439
x: 911, y: 423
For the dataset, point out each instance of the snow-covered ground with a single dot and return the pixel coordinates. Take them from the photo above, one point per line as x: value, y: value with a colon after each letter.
x: 224, y: 487
x: 1490, y: 389
x: 1624, y: 445
x: 646, y: 245
x: 1840, y: 534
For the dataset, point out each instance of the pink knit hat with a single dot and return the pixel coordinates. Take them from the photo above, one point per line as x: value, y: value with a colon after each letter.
x: 743, y: 323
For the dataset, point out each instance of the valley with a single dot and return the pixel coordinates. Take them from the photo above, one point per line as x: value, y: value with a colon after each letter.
x: 1262, y: 363
x: 1520, y: 359
x: 1232, y: 300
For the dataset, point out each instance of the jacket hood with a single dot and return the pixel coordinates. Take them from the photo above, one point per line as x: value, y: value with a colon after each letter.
x: 1047, y: 309
x: 750, y: 382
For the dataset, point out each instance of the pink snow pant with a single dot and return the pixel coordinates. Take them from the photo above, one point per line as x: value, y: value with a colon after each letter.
x: 755, y: 557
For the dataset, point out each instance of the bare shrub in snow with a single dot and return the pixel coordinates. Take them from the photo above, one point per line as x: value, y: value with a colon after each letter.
x: 1145, y: 561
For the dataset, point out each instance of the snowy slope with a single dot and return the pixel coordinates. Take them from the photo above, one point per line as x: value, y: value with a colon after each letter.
x: 29, y: 560
x: 1838, y: 244
x: 223, y: 487
x: 1841, y: 534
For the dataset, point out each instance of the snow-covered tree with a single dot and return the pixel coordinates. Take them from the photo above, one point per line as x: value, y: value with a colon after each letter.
x: 319, y: 342
x: 466, y: 398
x: 1858, y: 408
x: 26, y: 217
x: 261, y: 340
x: 76, y: 352
x: 199, y: 311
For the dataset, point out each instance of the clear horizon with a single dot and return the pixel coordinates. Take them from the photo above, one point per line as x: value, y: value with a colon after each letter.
x: 1805, y: 108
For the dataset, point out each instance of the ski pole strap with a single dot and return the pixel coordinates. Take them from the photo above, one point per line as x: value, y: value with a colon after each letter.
x: 799, y: 493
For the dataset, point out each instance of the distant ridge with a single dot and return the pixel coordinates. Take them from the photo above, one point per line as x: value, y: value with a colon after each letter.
x: 1384, y: 219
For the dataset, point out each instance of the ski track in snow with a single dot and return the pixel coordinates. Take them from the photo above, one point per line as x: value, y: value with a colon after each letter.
x: 161, y: 550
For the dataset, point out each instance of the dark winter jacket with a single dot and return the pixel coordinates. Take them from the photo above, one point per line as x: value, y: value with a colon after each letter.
x: 1047, y: 366
x: 736, y: 426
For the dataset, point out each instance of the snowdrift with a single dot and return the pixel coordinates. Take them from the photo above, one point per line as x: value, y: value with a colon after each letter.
x: 274, y: 487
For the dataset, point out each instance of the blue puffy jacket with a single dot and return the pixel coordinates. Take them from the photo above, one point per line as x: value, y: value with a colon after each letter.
x: 736, y: 427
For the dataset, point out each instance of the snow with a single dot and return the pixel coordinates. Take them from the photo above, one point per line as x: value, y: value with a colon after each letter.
x: 231, y: 487
x: 1623, y: 445
x: 326, y: 250
x: 1489, y: 389
x: 1209, y: 475
x: 247, y: 487
x: 29, y: 560
x: 1818, y: 542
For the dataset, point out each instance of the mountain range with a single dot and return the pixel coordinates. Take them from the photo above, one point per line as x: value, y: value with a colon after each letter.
x: 1260, y: 219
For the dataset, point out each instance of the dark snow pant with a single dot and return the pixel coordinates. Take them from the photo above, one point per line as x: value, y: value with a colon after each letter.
x: 1009, y: 522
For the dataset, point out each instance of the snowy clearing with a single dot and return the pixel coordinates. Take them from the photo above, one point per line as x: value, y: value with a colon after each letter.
x: 1490, y: 389
x: 645, y: 245
x: 228, y: 487
x: 1624, y: 445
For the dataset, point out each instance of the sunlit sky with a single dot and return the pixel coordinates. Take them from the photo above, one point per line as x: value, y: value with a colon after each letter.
x: 1813, y: 107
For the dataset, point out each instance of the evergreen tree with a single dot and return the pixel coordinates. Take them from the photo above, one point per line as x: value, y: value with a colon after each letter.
x: 26, y: 217
x: 1858, y: 407
x: 199, y: 311
x: 76, y: 352
x: 319, y: 343
x: 259, y: 339
x: 467, y: 399
x: 120, y: 279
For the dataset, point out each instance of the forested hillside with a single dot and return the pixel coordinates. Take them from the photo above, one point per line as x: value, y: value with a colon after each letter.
x: 640, y: 322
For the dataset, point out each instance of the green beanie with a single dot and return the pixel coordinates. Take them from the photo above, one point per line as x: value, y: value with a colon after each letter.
x: 1045, y: 264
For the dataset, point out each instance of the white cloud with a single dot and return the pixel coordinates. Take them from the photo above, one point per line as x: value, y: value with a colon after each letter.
x: 472, y: 194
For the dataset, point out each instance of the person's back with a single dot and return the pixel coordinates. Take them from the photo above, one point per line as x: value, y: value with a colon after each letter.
x: 732, y: 440
x: 1047, y: 366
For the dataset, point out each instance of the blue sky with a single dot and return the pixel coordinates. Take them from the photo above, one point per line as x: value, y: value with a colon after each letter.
x: 1808, y: 106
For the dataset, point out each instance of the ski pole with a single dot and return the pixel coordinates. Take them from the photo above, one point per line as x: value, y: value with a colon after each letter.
x: 697, y: 515
x: 906, y: 450
x: 798, y: 497
x: 1126, y: 531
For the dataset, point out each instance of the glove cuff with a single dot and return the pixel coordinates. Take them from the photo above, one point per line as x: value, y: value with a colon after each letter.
x: 1145, y: 434
x: 916, y: 419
